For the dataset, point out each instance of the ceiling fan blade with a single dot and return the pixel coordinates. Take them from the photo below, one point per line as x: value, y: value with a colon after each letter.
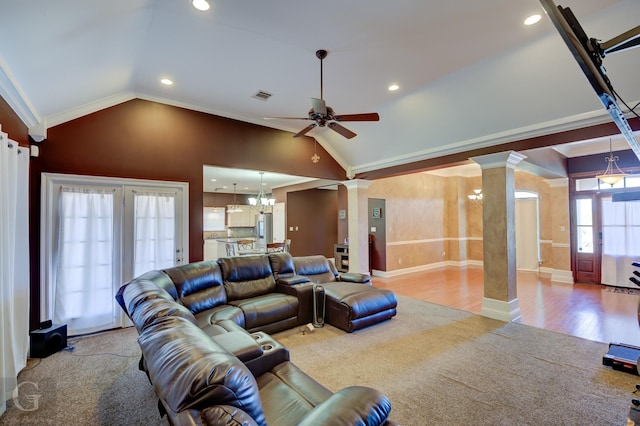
x: 342, y: 130
x: 305, y: 130
x: 286, y: 118
x: 370, y: 116
x: 319, y: 106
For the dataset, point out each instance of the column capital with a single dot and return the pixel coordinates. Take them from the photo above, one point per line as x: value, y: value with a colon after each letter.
x: 357, y: 184
x: 500, y: 159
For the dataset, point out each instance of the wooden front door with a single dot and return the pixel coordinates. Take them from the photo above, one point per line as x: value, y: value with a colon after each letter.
x: 587, y: 240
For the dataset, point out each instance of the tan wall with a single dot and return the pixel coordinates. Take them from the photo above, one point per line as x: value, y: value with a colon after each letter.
x: 554, y: 219
x: 429, y: 215
x: 559, y: 257
x: 474, y: 220
x: 415, y: 218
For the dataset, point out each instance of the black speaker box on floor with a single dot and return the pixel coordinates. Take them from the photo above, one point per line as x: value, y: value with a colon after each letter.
x: 48, y: 341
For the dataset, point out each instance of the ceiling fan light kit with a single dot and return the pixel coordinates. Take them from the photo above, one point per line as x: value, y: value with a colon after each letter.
x: 324, y: 116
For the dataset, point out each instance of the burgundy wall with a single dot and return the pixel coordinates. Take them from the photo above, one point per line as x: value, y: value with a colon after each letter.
x: 215, y: 199
x: 314, y: 213
x: 147, y: 140
x: 12, y: 124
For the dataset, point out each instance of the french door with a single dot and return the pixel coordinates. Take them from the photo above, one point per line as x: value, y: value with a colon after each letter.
x: 98, y: 233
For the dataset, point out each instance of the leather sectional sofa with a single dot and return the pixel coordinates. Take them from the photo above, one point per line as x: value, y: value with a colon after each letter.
x: 203, y: 331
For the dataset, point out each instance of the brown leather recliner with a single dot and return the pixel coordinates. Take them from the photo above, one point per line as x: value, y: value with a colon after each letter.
x: 351, y: 302
x: 199, y: 382
x: 207, y: 369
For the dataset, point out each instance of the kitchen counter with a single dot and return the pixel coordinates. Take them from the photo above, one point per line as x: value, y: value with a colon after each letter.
x: 215, y: 248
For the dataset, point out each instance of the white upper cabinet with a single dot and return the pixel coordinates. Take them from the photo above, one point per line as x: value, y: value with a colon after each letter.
x: 244, y: 218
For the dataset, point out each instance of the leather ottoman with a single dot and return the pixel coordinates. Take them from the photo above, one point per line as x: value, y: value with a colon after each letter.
x: 352, y: 306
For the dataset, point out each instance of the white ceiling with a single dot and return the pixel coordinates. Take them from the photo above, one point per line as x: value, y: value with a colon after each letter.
x: 470, y: 73
x: 221, y: 180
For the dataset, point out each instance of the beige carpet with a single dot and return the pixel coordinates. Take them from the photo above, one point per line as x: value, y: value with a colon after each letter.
x: 439, y: 366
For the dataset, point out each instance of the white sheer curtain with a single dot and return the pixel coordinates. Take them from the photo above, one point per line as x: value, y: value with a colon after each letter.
x: 14, y: 264
x: 84, y: 276
x: 155, y: 231
x: 620, y: 241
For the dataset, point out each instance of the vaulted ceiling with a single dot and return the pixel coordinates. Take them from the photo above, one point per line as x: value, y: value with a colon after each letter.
x: 470, y: 73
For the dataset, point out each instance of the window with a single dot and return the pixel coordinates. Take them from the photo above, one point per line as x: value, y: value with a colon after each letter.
x: 213, y: 219
x: 584, y: 219
x: 593, y: 184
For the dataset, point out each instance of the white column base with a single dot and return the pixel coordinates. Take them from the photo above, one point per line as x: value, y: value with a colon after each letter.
x: 501, y: 310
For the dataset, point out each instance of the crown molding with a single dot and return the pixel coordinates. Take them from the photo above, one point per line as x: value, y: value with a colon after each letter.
x: 542, y: 129
x: 88, y: 108
x: 11, y: 92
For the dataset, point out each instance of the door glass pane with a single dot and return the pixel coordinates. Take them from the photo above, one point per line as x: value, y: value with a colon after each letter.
x: 588, y: 184
x: 584, y: 220
x: 585, y: 239
x: 85, y: 269
x: 584, y: 212
x: 155, y: 231
x: 632, y: 181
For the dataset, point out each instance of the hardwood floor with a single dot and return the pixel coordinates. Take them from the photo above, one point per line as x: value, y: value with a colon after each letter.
x: 594, y: 312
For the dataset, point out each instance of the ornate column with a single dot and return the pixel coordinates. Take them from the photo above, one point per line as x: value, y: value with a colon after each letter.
x: 499, y: 235
x: 358, y: 222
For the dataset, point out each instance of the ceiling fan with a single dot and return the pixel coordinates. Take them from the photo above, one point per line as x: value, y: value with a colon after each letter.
x: 324, y: 115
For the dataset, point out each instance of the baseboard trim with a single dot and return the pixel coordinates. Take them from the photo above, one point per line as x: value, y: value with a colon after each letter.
x: 501, y: 310
x: 562, y: 276
x: 397, y: 272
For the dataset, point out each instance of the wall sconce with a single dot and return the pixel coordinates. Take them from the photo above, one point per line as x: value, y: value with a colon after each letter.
x: 476, y: 196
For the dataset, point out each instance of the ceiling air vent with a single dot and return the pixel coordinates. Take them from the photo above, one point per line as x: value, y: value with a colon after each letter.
x: 262, y: 95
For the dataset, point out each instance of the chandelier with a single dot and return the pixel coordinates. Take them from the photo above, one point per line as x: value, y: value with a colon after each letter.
x: 613, y: 174
x: 234, y: 208
x: 261, y: 202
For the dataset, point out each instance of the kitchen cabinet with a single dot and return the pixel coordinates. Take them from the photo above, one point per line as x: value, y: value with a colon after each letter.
x: 210, y: 250
x: 244, y: 218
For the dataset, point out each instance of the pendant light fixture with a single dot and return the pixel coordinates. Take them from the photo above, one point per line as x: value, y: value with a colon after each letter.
x: 613, y: 174
x: 234, y: 208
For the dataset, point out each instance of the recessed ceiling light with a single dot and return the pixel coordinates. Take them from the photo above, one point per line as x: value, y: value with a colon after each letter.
x: 213, y: 180
x: 166, y: 82
x: 532, y: 19
x: 201, y: 5
x: 393, y: 87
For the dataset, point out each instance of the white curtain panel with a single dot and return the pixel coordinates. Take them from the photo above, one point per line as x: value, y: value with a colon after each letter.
x: 85, y: 267
x: 620, y: 241
x: 154, y: 229
x: 14, y: 264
